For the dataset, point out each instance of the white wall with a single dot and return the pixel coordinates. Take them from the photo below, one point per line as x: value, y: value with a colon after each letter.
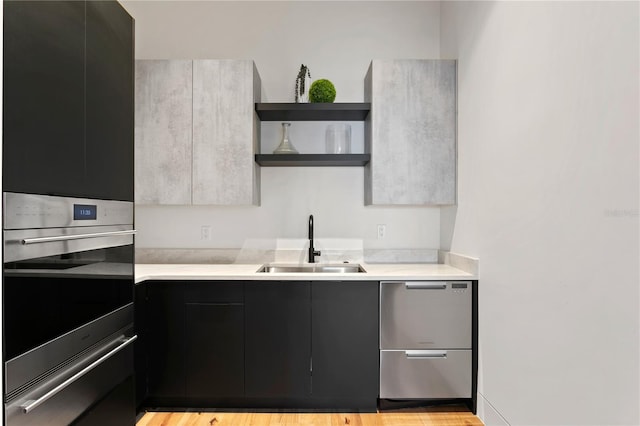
x: 548, y: 200
x: 337, y: 40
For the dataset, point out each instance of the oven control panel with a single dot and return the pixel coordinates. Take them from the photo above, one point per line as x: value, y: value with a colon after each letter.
x: 28, y: 211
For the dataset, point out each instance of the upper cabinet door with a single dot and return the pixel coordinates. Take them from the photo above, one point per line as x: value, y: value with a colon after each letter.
x: 196, y: 132
x: 109, y: 101
x: 163, y: 148
x: 43, y: 98
x: 411, y: 132
x: 225, y: 132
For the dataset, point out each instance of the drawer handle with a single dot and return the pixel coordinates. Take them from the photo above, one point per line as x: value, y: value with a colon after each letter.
x: 426, y: 354
x: 426, y: 286
x: 31, y: 405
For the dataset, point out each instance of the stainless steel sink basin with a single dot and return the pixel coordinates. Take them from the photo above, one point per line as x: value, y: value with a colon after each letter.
x: 313, y: 268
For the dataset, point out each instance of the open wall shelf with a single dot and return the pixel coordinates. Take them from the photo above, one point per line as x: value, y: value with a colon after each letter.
x: 313, y: 111
x: 299, y: 160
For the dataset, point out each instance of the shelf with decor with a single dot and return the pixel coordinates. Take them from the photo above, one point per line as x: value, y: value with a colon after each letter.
x: 313, y: 111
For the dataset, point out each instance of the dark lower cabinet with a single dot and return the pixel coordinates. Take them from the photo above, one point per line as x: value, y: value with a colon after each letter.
x: 312, y: 344
x: 214, y: 342
x: 278, y: 341
x: 165, y: 341
x: 344, y: 329
x: 140, y: 361
x: 262, y: 344
x: 194, y: 343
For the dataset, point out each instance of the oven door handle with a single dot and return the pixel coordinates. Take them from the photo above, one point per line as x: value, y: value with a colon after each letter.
x: 38, y: 240
x: 32, y: 404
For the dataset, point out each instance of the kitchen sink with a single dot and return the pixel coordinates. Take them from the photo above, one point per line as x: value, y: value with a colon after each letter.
x: 313, y: 268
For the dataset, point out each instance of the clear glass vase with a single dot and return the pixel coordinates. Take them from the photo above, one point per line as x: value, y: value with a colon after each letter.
x: 285, y: 146
x: 338, y: 139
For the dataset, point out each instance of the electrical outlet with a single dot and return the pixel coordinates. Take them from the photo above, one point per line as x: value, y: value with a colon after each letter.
x: 382, y: 230
x: 205, y: 233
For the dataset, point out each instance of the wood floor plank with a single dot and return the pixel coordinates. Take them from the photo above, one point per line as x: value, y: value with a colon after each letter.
x: 432, y: 416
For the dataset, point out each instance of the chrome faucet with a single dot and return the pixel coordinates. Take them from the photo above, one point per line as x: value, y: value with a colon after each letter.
x: 312, y: 252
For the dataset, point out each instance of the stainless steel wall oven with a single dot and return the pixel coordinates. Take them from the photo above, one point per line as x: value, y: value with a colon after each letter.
x: 68, y: 308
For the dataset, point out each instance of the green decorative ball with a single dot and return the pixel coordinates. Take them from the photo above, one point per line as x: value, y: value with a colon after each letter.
x: 322, y: 91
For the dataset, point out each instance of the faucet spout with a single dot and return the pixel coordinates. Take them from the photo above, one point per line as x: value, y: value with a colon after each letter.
x: 312, y: 252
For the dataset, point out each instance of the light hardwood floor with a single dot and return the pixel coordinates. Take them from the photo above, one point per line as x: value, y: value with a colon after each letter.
x: 433, y: 416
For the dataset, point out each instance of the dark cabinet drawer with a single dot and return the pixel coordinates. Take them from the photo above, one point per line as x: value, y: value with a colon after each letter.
x: 213, y: 292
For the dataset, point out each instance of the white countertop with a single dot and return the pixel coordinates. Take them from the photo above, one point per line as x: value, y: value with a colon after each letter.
x: 375, y: 272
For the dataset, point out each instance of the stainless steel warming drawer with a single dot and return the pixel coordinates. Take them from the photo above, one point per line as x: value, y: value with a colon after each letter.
x: 425, y: 339
x: 425, y: 374
x: 425, y: 315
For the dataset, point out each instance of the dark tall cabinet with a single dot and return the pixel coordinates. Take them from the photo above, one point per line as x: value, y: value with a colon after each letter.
x: 109, y: 95
x: 68, y: 99
x: 43, y: 96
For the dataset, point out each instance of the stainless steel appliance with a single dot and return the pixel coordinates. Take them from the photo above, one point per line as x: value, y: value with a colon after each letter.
x: 68, y: 309
x: 425, y: 340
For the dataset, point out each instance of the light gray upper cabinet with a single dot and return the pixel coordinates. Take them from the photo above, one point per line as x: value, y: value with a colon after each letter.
x: 411, y: 132
x: 163, y: 148
x: 225, y: 132
x: 197, y: 132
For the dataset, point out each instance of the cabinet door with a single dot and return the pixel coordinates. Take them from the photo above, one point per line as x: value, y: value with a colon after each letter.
x: 225, y: 131
x: 214, y: 341
x: 277, y: 340
x: 214, y: 350
x: 163, y: 154
x: 165, y: 344
x: 411, y: 132
x: 43, y: 114
x: 345, y: 347
x: 141, y: 347
x: 109, y: 101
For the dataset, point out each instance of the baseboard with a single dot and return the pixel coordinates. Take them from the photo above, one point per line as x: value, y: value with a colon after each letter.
x: 488, y: 414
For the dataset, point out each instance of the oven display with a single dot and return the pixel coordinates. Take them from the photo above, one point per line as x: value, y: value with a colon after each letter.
x: 85, y: 212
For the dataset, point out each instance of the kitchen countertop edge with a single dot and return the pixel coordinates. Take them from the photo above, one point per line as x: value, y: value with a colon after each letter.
x: 248, y: 272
